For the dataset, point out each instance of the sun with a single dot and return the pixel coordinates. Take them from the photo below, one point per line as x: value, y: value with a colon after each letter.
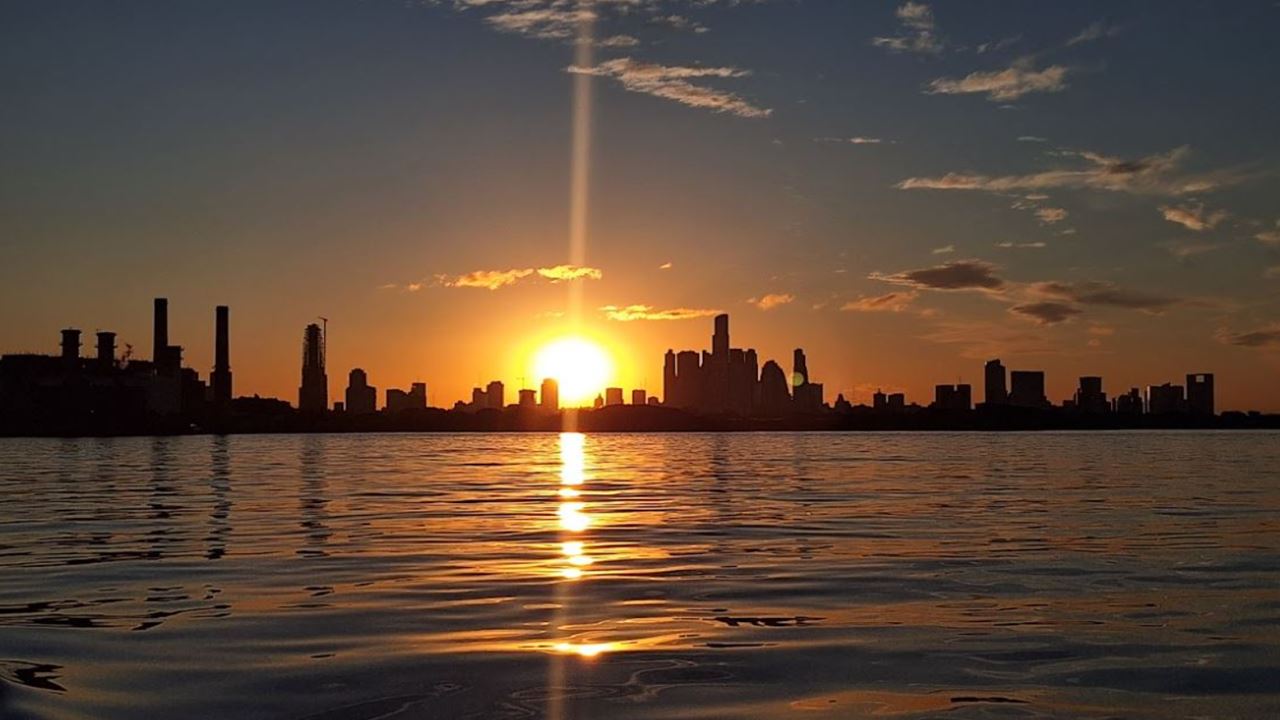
x: 581, y: 367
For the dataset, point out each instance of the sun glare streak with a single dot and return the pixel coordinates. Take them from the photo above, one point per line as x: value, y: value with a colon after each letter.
x: 580, y: 168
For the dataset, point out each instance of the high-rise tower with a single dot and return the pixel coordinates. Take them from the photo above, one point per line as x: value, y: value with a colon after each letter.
x: 995, y: 389
x: 160, y: 332
x: 313, y: 395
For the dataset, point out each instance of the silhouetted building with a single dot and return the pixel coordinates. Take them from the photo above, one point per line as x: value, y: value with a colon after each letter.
x: 669, y: 378
x: 496, y: 395
x: 220, y: 379
x: 1130, y: 403
x: 637, y: 397
x: 527, y: 398
x: 724, y: 380
x: 842, y: 405
x: 953, y: 397
x: 414, y: 399
x: 159, y: 331
x: 653, y: 401
x: 313, y: 394
x: 896, y: 402
x: 995, y: 391
x: 1090, y: 398
x: 71, y: 348
x: 599, y: 402
x: 1166, y: 399
x: 775, y: 400
x: 550, y: 394
x: 879, y: 401
x: 1200, y: 394
x: 613, y: 396
x: 1026, y: 389
x: 362, y: 398
x: 807, y: 394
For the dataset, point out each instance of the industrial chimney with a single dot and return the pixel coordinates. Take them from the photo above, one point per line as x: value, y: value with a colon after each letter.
x: 106, y: 350
x: 221, y: 378
x: 70, y: 346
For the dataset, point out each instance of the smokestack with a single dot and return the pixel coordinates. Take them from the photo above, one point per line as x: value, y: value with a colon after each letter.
x: 70, y: 345
x: 221, y: 378
x: 160, y: 338
x: 106, y: 349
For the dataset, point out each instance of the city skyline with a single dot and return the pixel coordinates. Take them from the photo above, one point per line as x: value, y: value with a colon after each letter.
x: 1086, y: 189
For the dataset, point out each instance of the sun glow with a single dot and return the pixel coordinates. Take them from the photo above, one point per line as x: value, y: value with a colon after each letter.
x: 581, y: 367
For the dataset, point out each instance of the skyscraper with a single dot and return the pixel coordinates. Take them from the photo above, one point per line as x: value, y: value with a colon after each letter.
x: 551, y: 394
x: 613, y: 396
x: 496, y: 395
x: 774, y: 398
x: 313, y: 394
x: 1165, y: 399
x: 638, y: 397
x: 1089, y: 396
x: 1200, y: 394
x: 669, y: 379
x: 995, y: 390
x: 362, y: 398
x: 160, y: 331
x: 720, y: 338
x: 527, y: 398
x: 220, y: 380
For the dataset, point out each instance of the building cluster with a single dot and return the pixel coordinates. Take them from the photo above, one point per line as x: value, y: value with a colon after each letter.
x: 729, y: 380
x: 1026, y: 389
x: 110, y: 384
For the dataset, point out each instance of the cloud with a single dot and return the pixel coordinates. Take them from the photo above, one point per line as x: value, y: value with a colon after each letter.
x: 672, y: 82
x: 495, y: 279
x: 679, y: 22
x: 1047, y: 312
x: 1032, y: 139
x: 546, y: 23
x: 1262, y: 337
x: 1192, y: 217
x: 772, y: 300
x: 954, y: 275
x: 1027, y: 245
x: 1269, y: 237
x: 619, y: 41
x: 1182, y: 250
x: 631, y: 313
x: 1102, y: 293
x: 1095, y: 31
x: 1050, y: 215
x: 889, y: 302
x: 1020, y: 78
x: 570, y: 272
x: 944, y: 250
x: 918, y: 32
x: 858, y: 140
x: 1158, y: 174
x: 665, y: 266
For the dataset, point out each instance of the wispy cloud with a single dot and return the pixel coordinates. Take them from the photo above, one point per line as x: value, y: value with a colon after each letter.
x: 665, y: 266
x: 1182, y: 250
x: 1051, y: 215
x: 944, y: 250
x: 631, y: 313
x: 1192, y: 217
x: 495, y: 279
x: 1159, y: 174
x: 857, y: 140
x: 1023, y: 246
x: 1020, y: 78
x: 772, y: 300
x: 1047, y: 312
x: 1269, y: 237
x: 1107, y: 294
x: 889, y: 302
x: 918, y: 32
x: 1032, y: 139
x: 954, y: 275
x: 1262, y: 337
x: 1095, y: 31
x: 672, y: 82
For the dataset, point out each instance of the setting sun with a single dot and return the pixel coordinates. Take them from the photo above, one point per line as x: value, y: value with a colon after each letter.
x: 581, y: 367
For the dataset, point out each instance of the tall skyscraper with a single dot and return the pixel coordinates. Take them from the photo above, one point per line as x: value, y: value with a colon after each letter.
x: 362, y: 398
x: 1200, y: 394
x: 1089, y: 396
x: 799, y: 369
x: 313, y: 394
x: 551, y: 393
x: 669, y: 379
x: 775, y: 400
x: 720, y: 338
x: 496, y: 395
x: 995, y: 391
x: 220, y: 380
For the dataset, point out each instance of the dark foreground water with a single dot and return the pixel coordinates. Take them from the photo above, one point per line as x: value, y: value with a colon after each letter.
x: 641, y: 576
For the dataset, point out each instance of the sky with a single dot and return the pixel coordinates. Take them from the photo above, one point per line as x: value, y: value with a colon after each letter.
x: 905, y: 190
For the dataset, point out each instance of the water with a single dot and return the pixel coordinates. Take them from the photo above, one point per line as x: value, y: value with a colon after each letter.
x: 641, y: 576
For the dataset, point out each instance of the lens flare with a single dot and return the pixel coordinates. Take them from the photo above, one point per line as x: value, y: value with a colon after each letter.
x: 582, y: 369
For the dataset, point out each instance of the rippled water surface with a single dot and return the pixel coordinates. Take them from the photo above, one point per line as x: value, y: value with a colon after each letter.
x: 641, y: 576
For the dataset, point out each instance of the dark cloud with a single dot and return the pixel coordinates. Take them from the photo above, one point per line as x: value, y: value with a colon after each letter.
x: 1047, y: 312
x: 1255, y: 338
x: 954, y: 275
x: 1100, y: 293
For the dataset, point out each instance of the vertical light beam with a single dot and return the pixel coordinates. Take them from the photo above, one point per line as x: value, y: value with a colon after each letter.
x: 580, y: 167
